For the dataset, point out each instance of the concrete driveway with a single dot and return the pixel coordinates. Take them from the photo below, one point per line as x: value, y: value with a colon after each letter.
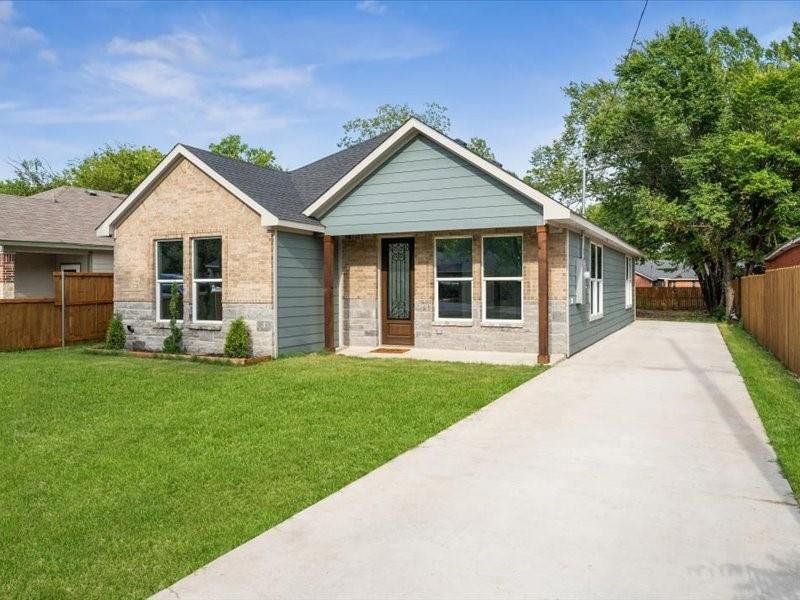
x: 638, y: 468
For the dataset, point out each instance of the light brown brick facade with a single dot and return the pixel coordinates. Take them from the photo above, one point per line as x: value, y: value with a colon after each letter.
x: 7, y: 274
x: 188, y: 204
x: 185, y: 205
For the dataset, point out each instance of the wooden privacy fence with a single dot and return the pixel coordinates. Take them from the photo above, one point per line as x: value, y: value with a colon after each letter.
x: 37, y: 323
x: 667, y: 298
x: 769, y: 306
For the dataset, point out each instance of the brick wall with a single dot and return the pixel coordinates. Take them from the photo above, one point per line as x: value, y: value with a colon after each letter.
x: 361, y: 260
x: 7, y: 274
x: 188, y: 204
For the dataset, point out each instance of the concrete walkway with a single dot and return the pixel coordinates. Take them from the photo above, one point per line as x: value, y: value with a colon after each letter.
x: 637, y: 468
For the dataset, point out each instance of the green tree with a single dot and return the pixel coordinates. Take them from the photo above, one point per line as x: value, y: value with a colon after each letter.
x: 233, y: 147
x: 116, y: 169
x: 31, y: 176
x: 692, y: 150
x: 391, y: 116
x: 173, y: 343
x: 480, y: 147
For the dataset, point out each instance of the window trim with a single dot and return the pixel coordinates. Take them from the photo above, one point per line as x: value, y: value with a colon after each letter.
x: 454, y: 320
x: 628, y: 282
x: 160, y: 281
x: 521, y: 279
x: 195, y: 281
x: 599, y: 280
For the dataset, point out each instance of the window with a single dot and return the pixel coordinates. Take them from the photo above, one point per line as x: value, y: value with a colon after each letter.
x: 596, y: 280
x: 454, y: 278
x: 502, y: 278
x: 207, y: 280
x: 628, y: 282
x: 169, y: 270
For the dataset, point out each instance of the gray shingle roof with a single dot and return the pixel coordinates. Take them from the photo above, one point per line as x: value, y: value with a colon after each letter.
x: 286, y: 194
x: 64, y: 215
x: 783, y: 248
x: 664, y: 269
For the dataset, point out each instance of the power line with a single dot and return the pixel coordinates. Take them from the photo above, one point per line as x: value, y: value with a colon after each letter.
x: 638, y: 24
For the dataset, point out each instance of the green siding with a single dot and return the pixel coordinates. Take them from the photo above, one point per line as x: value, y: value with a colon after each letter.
x: 426, y: 188
x: 300, y: 302
x: 582, y: 331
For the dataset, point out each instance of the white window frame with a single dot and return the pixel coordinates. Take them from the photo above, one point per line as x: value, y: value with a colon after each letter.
x: 160, y: 281
x: 484, y: 279
x: 196, y: 281
x: 437, y: 279
x: 596, y: 311
x: 628, y: 282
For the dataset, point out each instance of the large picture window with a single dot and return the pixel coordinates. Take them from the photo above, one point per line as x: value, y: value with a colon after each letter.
x: 596, y: 280
x: 502, y: 278
x: 628, y: 282
x: 169, y: 270
x: 454, y: 278
x: 207, y: 280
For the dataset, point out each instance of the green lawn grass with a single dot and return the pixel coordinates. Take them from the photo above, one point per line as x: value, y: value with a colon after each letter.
x: 121, y: 475
x: 776, y: 395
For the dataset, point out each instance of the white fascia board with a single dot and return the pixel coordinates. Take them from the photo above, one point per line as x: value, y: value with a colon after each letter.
x: 581, y: 225
x: 297, y: 227
x: 106, y: 228
x: 551, y: 208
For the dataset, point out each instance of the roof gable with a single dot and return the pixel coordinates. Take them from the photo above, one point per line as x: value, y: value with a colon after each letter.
x: 424, y: 187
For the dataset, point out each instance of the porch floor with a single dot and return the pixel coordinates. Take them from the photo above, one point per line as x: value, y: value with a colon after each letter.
x: 468, y: 356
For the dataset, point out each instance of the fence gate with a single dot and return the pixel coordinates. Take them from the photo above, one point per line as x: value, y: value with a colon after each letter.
x: 37, y: 322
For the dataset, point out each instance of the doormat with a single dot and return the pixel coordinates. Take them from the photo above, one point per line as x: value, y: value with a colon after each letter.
x: 390, y: 350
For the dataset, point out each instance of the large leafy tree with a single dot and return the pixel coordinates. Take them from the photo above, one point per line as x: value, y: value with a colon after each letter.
x: 392, y: 116
x: 481, y: 147
x: 692, y: 150
x: 234, y: 147
x: 31, y: 176
x: 117, y: 168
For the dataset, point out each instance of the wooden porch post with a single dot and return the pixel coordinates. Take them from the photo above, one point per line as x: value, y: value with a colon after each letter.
x: 327, y: 284
x: 544, y: 294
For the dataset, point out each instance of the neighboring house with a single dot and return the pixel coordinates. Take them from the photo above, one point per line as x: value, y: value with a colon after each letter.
x: 787, y: 255
x: 408, y: 238
x: 663, y: 273
x: 48, y: 232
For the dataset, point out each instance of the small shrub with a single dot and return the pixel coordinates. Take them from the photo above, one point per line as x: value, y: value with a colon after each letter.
x: 238, y: 342
x: 115, y: 334
x: 173, y: 343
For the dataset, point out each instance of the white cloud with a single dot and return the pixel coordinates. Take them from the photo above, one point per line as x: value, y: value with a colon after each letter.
x: 373, y: 7
x: 273, y: 76
x: 150, y: 77
x: 48, y: 56
x: 6, y: 10
x: 174, y: 47
x: 12, y: 36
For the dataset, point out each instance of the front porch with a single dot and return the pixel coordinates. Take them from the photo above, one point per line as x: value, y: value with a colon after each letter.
x: 462, y: 295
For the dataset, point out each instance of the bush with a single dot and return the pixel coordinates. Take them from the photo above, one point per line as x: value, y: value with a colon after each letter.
x: 173, y: 343
x: 115, y: 334
x: 238, y: 342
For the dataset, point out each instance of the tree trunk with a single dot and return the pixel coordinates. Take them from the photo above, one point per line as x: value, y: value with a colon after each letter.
x: 727, y: 279
x: 711, y: 284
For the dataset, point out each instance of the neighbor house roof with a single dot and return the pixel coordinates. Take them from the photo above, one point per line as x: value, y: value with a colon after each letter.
x: 64, y: 216
x: 298, y: 198
x: 781, y: 249
x: 664, y: 269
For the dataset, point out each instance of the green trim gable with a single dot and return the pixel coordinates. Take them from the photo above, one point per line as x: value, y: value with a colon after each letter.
x: 425, y: 187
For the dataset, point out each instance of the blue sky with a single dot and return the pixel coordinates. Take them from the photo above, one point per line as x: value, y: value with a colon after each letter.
x: 75, y: 76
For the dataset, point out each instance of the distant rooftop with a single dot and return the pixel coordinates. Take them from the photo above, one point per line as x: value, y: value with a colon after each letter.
x: 664, y: 269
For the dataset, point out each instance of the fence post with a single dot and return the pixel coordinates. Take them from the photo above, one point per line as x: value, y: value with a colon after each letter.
x: 63, y: 311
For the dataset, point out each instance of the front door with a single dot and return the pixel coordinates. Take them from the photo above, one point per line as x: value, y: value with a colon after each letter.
x: 397, y: 291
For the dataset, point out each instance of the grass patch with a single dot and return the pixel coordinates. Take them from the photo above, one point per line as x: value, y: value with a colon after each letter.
x: 776, y: 394
x: 122, y: 475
